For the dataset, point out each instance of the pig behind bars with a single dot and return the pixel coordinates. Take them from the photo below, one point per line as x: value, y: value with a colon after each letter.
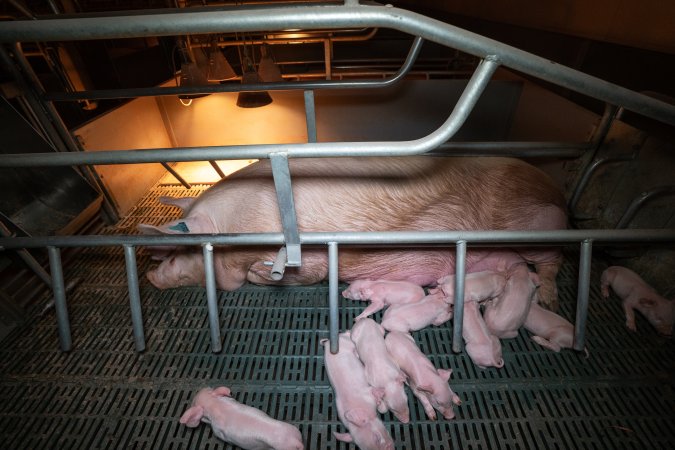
x: 368, y: 194
x: 239, y: 424
x: 382, y: 372
x: 354, y: 399
x: 638, y: 295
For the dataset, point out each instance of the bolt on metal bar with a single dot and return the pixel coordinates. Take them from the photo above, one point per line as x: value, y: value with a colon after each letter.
x: 310, y: 115
x: 472, y: 92
x: 134, y: 297
x: 212, y: 298
x: 582, y: 295
x: 221, y: 88
x: 458, y: 314
x: 333, y: 322
x: 59, y: 298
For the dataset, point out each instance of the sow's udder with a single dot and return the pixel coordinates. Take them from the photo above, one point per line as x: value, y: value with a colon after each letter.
x: 366, y: 194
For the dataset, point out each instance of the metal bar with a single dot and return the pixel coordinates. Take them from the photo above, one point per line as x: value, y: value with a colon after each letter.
x: 310, y: 116
x: 27, y: 257
x: 212, y: 298
x: 59, y: 298
x: 175, y: 174
x: 134, y: 297
x: 513, y: 149
x: 464, y: 106
x: 586, y: 177
x: 640, y: 200
x: 333, y: 322
x: 215, y: 166
x: 327, y: 56
x: 606, y: 121
x: 282, y: 184
x: 359, y: 238
x: 458, y: 314
x: 279, y: 264
x: 331, y: 17
x: 229, y: 87
x: 582, y: 296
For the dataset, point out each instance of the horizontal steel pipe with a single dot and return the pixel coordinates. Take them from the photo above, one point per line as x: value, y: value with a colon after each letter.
x: 331, y: 17
x: 453, y: 123
x: 366, y: 238
x: 231, y: 87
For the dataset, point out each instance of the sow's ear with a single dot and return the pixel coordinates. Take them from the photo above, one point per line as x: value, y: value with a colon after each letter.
x: 179, y: 226
x: 181, y: 202
x: 192, y: 416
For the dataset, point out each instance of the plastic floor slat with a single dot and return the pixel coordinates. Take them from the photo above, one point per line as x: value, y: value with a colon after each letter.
x: 105, y: 395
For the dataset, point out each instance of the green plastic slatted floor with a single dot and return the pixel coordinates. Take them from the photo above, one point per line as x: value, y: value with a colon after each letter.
x: 104, y: 395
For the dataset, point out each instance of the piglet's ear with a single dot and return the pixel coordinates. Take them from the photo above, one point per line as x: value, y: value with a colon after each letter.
x: 648, y: 302
x: 445, y: 374
x: 222, y: 391
x: 378, y: 393
x: 192, y: 416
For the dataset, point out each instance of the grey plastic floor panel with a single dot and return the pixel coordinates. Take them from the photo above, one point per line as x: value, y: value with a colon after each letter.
x: 104, y: 395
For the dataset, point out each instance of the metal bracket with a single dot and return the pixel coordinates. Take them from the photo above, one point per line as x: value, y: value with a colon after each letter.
x: 282, y: 184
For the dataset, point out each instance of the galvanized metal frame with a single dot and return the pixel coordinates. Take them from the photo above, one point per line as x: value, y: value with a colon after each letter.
x: 351, y: 14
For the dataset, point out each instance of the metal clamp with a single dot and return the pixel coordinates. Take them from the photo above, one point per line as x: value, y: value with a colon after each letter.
x: 282, y: 184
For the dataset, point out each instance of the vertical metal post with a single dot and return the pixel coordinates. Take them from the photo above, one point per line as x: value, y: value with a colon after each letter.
x: 134, y: 297
x: 212, y: 299
x: 311, y: 116
x: 59, y: 298
x: 217, y: 168
x: 582, y: 295
x: 457, y: 322
x: 333, y: 323
x: 327, y: 58
x: 175, y: 174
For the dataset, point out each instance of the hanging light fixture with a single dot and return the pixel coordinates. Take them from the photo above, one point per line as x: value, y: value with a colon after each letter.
x: 190, y: 75
x: 267, y: 69
x: 251, y: 99
x: 219, y: 68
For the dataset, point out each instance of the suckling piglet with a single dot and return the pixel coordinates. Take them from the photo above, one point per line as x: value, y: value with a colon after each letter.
x: 506, y: 314
x: 431, y: 310
x: 356, y: 405
x: 382, y: 372
x: 382, y: 293
x: 239, y: 424
x: 549, y: 329
x: 430, y: 385
x: 638, y: 295
x: 478, y: 286
x: 483, y: 348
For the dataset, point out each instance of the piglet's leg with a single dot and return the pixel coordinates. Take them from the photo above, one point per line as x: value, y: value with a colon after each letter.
x: 426, y: 404
x: 630, y: 315
x: 370, y: 309
x: 546, y: 343
x: 344, y: 437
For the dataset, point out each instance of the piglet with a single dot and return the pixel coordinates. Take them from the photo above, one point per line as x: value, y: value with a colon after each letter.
x: 638, y: 295
x: 382, y: 372
x: 549, y: 329
x: 430, y: 385
x: 506, y: 314
x: 382, y: 293
x: 356, y: 404
x: 240, y: 424
x: 483, y: 348
x: 478, y: 286
x: 431, y: 310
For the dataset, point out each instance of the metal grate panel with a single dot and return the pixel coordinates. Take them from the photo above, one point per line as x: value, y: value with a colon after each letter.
x: 104, y: 395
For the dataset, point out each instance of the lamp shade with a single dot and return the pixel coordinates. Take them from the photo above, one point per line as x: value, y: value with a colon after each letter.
x: 191, y: 75
x: 267, y: 69
x: 252, y: 99
x: 219, y: 68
